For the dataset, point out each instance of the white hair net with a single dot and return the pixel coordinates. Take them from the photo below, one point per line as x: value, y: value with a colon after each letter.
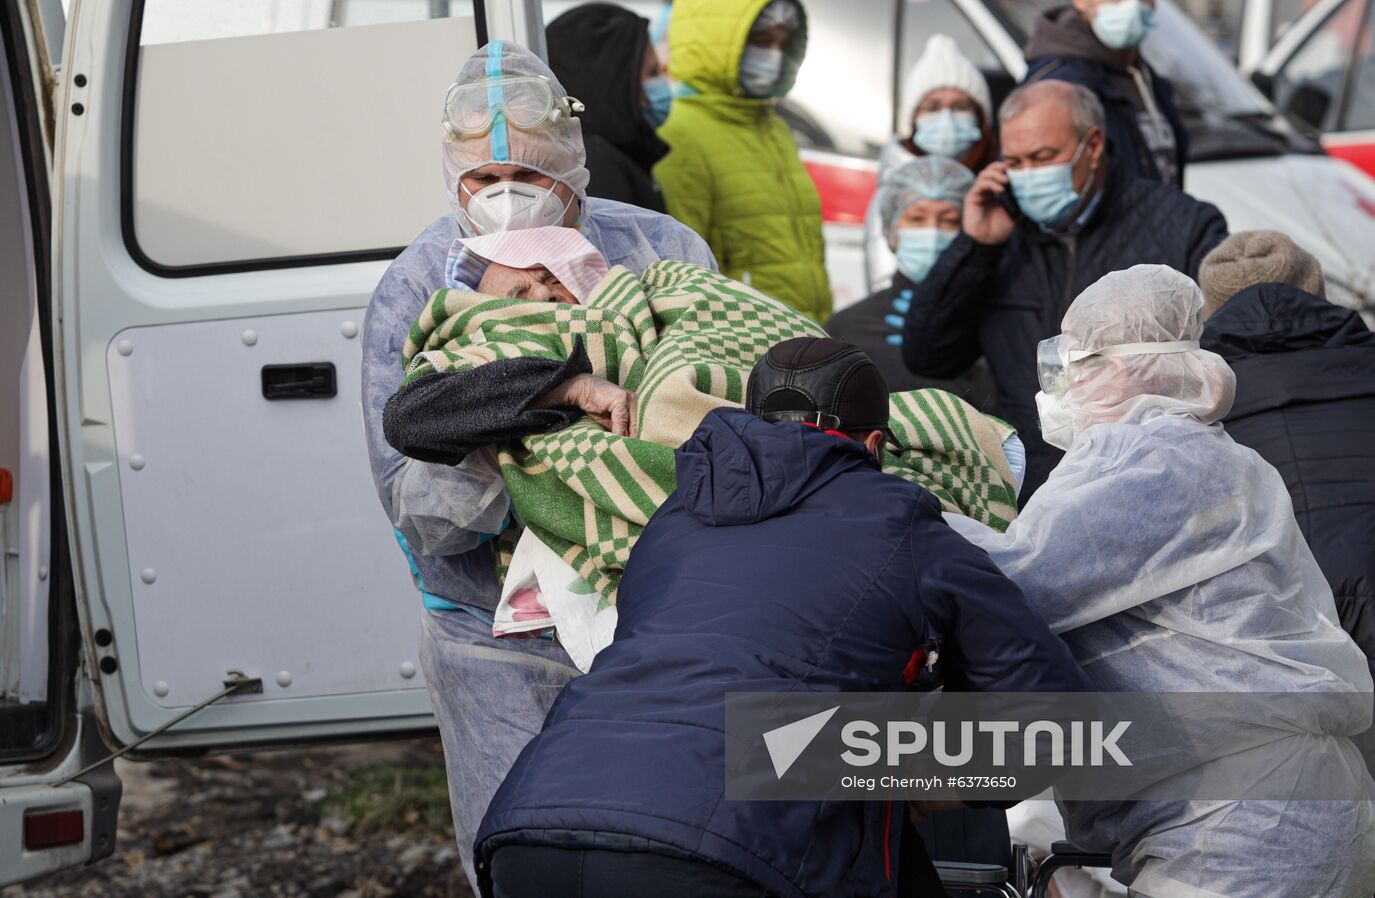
x: 778, y: 12
x: 924, y: 178
x: 555, y: 150
x: 1143, y: 304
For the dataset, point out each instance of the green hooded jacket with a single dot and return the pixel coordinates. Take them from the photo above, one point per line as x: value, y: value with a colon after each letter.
x: 733, y: 174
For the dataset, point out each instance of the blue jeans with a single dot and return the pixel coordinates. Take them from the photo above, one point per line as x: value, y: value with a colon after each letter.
x: 490, y: 696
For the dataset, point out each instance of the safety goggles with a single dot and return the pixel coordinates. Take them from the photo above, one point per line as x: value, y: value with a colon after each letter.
x: 1054, y: 357
x: 525, y: 102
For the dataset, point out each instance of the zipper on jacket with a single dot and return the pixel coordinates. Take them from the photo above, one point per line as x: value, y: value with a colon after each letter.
x: 784, y: 160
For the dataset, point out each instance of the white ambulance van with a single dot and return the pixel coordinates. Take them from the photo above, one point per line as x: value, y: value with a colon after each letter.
x: 197, y: 198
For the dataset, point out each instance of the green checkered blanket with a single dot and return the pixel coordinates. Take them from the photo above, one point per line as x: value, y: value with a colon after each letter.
x: 683, y: 339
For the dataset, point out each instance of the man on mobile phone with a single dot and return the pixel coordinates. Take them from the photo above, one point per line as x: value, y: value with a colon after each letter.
x: 1051, y: 217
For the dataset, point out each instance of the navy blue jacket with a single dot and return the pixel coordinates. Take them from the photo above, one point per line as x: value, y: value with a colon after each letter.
x: 1000, y: 301
x: 785, y: 561
x: 1064, y: 48
x: 1306, y: 402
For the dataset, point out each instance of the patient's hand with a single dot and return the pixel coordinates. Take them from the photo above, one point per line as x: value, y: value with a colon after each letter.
x: 609, y: 405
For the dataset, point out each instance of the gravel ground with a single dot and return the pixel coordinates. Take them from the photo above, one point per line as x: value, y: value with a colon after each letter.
x: 345, y: 822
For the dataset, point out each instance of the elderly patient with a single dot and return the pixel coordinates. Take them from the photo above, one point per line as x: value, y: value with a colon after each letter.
x: 1169, y: 559
x: 550, y: 264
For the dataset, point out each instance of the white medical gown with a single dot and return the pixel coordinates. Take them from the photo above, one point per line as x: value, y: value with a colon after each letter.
x: 1168, y: 558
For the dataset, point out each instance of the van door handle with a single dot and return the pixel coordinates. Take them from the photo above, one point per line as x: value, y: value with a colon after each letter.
x: 311, y: 380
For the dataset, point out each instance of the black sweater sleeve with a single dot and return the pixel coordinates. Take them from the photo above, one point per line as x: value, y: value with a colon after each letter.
x: 940, y: 335
x: 442, y: 417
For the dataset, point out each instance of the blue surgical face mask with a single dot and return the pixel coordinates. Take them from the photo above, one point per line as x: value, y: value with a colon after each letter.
x: 1124, y: 24
x: 918, y: 250
x: 1046, y: 193
x: 659, y: 93
x: 947, y: 133
x: 759, y: 70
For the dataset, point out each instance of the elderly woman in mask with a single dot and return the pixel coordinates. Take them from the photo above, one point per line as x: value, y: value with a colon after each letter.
x: 947, y: 113
x: 1168, y: 558
x: 920, y: 206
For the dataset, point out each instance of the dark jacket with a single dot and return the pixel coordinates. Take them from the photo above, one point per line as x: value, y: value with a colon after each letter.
x: 597, y: 51
x: 1000, y: 301
x: 1063, y: 47
x: 874, y: 324
x: 784, y: 561
x: 1306, y: 402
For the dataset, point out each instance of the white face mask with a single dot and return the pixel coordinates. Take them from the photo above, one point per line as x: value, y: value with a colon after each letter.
x: 1057, y: 422
x: 514, y: 206
x: 760, y: 68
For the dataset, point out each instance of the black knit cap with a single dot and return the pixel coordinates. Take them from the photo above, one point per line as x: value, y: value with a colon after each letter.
x: 832, y: 384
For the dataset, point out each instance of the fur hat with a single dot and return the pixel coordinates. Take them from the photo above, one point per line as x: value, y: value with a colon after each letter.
x: 1256, y: 257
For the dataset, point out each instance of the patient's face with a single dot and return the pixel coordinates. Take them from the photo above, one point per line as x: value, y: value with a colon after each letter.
x: 531, y: 284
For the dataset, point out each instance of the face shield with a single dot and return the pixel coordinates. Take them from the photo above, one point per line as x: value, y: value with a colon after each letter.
x: 507, y: 108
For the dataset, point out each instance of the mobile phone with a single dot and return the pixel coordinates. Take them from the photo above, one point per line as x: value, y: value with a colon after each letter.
x: 1009, y: 202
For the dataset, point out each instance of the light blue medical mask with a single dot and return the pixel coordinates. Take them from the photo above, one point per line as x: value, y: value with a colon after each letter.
x: 947, y: 132
x: 659, y: 93
x: 1046, y: 193
x: 918, y: 250
x: 759, y: 70
x: 1124, y: 24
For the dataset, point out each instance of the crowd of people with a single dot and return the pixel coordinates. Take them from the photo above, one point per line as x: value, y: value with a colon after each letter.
x: 1078, y: 438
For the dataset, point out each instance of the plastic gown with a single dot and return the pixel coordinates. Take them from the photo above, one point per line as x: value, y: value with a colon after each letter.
x: 443, y: 513
x: 1168, y: 558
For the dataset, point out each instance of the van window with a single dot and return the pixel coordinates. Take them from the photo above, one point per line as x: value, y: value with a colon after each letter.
x: 1360, y: 103
x: 1311, y: 84
x: 843, y: 98
x: 271, y: 132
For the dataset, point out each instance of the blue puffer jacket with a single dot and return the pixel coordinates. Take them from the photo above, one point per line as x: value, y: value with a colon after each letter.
x: 785, y: 561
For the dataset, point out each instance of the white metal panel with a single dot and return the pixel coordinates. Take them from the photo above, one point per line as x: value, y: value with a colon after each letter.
x: 1326, y: 205
x: 1296, y: 34
x: 254, y: 537
x: 297, y: 144
x: 19, y: 865
x: 33, y: 525
x: 103, y: 292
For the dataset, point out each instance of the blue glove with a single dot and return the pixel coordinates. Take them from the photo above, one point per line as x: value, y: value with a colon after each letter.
x: 901, y: 304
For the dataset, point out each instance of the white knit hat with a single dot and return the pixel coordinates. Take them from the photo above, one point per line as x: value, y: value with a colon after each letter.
x: 943, y: 65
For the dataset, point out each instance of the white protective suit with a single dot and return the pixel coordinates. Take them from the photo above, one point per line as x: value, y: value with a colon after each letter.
x: 1168, y: 558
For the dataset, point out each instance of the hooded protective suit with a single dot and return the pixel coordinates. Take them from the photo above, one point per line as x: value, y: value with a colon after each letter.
x: 1169, y: 559
x: 442, y: 512
x: 489, y: 698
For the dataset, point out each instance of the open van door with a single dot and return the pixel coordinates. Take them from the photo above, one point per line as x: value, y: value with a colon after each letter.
x: 230, y: 179
x: 54, y: 813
